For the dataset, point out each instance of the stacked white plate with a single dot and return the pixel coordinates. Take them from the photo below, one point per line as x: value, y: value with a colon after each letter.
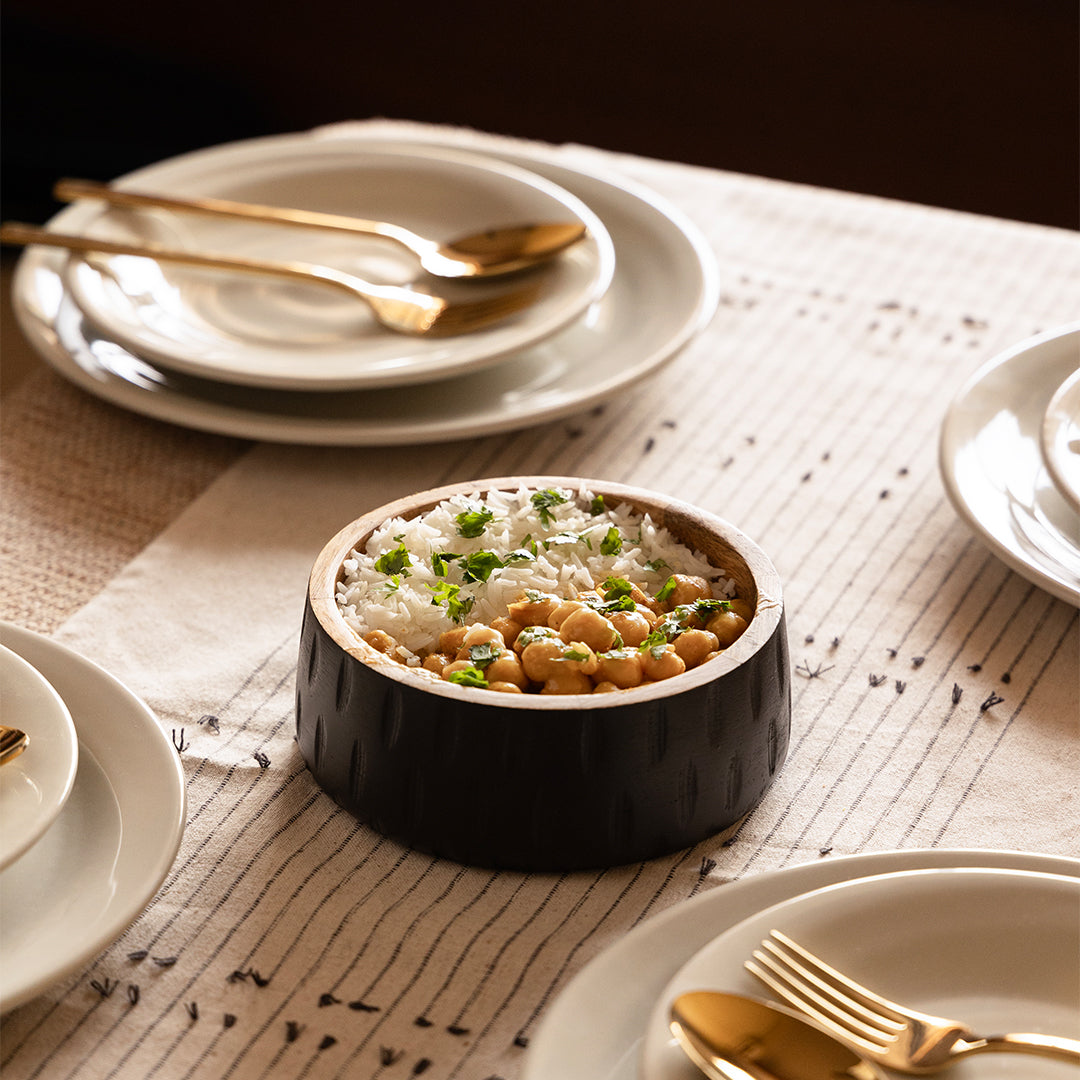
x: 266, y: 359
x: 986, y: 937
x: 91, y: 813
x: 1010, y: 458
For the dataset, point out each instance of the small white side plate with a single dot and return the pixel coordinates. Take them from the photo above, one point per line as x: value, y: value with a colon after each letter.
x: 995, y: 949
x: 35, y: 785
x: 991, y: 461
x: 1060, y: 435
x: 254, y: 330
x: 80, y: 886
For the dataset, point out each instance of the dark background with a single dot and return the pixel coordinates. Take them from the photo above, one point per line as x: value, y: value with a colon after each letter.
x: 969, y: 104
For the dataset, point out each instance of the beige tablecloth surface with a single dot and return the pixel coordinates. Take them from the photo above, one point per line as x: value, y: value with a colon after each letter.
x: 935, y: 690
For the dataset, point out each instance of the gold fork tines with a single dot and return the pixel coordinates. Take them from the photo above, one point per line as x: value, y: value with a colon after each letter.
x: 12, y: 743
x: 398, y: 308
x: 892, y: 1034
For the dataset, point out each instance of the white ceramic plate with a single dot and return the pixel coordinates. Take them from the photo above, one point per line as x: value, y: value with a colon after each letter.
x: 36, y: 784
x: 663, y: 293
x: 80, y: 886
x: 991, y: 461
x: 995, y: 948
x: 594, y: 1029
x: 1060, y: 435
x: 263, y: 331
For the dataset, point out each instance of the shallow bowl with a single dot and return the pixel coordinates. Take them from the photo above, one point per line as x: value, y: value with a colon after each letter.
x: 547, y: 783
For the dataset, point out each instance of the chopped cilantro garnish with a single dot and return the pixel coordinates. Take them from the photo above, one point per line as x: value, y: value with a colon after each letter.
x: 457, y: 606
x: 440, y: 561
x: 667, y: 588
x: 469, y: 676
x: 575, y: 654
x: 559, y: 539
x: 655, y: 566
x: 393, y: 583
x: 657, y: 651
x: 597, y: 505
x: 519, y: 555
x: 478, y: 567
x: 616, y: 586
x: 710, y: 607
x: 535, y: 633
x: 483, y: 654
x: 612, y: 542
x: 546, y: 499
x: 394, y: 561
x: 656, y: 639
x: 471, y: 523
x: 617, y: 652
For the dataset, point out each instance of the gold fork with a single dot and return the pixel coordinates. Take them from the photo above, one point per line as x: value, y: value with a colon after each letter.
x: 12, y: 743
x: 396, y: 307
x: 896, y: 1036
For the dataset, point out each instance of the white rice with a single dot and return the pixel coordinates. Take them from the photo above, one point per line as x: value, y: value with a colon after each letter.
x: 405, y: 605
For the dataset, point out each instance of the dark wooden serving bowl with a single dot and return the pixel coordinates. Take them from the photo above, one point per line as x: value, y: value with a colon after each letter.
x: 547, y: 783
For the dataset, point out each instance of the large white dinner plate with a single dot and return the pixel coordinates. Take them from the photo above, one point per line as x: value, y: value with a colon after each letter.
x: 997, y: 949
x: 80, y: 886
x: 263, y: 331
x: 1060, y: 438
x: 991, y: 461
x: 664, y: 292
x: 36, y: 784
x: 595, y: 1028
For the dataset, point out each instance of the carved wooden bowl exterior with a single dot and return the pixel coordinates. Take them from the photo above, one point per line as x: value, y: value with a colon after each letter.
x: 547, y: 783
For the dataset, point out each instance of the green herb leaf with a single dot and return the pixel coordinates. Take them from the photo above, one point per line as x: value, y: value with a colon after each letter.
x: 479, y: 566
x: 469, y: 676
x: 655, y: 639
x: 560, y: 539
x: 667, y: 588
x: 612, y: 542
x: 535, y: 633
x: 519, y: 555
x: 710, y: 607
x: 597, y: 505
x: 614, y: 587
x: 393, y: 583
x: 546, y: 499
x: 471, y: 523
x: 655, y: 566
x: 483, y: 654
x: 457, y: 606
x: 394, y: 561
x: 575, y: 654
x: 440, y: 561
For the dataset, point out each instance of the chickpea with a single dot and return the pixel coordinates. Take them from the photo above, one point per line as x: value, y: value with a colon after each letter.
x: 450, y: 640
x: 644, y: 600
x: 479, y: 634
x: 632, y: 626
x: 453, y: 666
x: 505, y: 687
x: 507, y: 668
x: 686, y: 589
x: 742, y: 607
x: 531, y: 634
x: 509, y: 628
x: 533, y: 608
x: 588, y: 626
x: 692, y: 646
x: 578, y: 655
x: 541, y: 657
x: 605, y: 688
x: 621, y: 668
x: 727, y: 626
x: 380, y: 640
x: 436, y: 661
x: 568, y: 681
x: 560, y: 614
x: 661, y: 662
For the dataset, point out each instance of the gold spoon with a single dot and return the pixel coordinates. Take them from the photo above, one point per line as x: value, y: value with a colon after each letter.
x: 730, y: 1037
x: 485, y: 254
x: 12, y: 743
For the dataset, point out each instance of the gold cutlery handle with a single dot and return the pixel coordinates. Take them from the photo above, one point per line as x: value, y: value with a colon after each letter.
x: 14, y: 232
x: 68, y: 190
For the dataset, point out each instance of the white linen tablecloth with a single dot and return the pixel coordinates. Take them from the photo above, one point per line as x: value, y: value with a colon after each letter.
x: 935, y: 691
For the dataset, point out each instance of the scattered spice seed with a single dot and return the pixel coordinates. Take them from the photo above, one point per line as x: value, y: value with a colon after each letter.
x: 387, y: 1055
x: 824, y: 851
x: 918, y: 661
x: 229, y: 1020
x: 751, y: 440
x: 164, y: 961
x: 975, y: 668
x: 892, y: 653
x: 809, y: 639
x: 521, y: 1040
x: 668, y: 423
x: 456, y: 1029
x: 327, y: 1042
x: 328, y: 999
x: 180, y: 742
x: 990, y: 702
x: 262, y: 759
x: 106, y: 988
x: 192, y: 1010
x: 138, y: 954
x: 835, y: 644
x: 257, y: 979
x: 727, y: 462
x: 707, y: 866
x: 826, y: 455
x: 650, y: 442
x: 363, y: 1006
x: 420, y: 1021
x: 133, y: 993
x: 292, y: 1030
x: 812, y: 673
x: 902, y: 471
x: 900, y: 686
x: 957, y: 693
x: 421, y: 1066
x: 1006, y: 678
x: 883, y: 494
x: 876, y: 680
x: 805, y: 477
x: 211, y: 722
